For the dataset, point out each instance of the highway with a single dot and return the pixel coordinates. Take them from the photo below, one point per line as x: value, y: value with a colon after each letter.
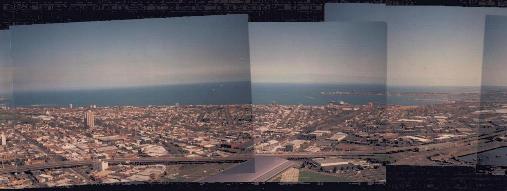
x: 166, y: 160
x: 137, y: 161
x: 52, y: 165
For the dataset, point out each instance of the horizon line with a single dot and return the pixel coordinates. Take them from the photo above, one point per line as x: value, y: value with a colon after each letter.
x: 252, y: 83
x: 127, y: 87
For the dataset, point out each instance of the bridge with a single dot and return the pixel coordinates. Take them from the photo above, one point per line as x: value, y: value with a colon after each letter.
x: 52, y: 165
x: 179, y: 160
x: 134, y: 161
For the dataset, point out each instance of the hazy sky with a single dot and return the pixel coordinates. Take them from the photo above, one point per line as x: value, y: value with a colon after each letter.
x: 5, y: 69
x: 427, y: 45
x: 495, y: 52
x: 319, y: 52
x: 109, y: 54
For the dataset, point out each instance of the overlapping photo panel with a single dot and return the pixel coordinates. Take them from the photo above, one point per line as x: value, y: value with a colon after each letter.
x: 434, y: 79
x: 6, y: 114
x: 134, y: 99
x: 318, y: 90
x: 218, y: 99
x: 491, y: 158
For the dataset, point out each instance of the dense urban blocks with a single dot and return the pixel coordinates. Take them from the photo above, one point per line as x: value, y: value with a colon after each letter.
x: 333, y: 142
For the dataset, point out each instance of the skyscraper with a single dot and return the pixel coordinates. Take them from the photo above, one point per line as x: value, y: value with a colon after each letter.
x: 89, y: 119
x: 4, y: 140
x: 101, y: 166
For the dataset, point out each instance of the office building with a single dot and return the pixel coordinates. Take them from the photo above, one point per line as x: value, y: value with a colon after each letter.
x: 4, y: 140
x: 89, y: 119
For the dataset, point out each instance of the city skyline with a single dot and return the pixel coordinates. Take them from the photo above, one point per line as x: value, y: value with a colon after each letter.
x: 130, y: 53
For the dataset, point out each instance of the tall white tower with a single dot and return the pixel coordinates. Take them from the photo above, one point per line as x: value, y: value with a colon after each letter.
x: 89, y: 119
x: 101, y: 165
x: 4, y: 140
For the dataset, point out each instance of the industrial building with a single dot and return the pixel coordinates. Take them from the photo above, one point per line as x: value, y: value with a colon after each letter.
x: 333, y: 164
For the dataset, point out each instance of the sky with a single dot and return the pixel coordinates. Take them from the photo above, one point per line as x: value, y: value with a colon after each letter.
x: 5, y: 67
x: 427, y: 45
x: 318, y: 52
x: 130, y: 53
x: 494, y: 71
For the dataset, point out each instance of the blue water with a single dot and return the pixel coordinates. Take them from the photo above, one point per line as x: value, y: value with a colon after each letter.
x: 413, y: 100
x: 438, y: 89
x: 310, y: 94
x: 226, y: 93
x: 194, y: 94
